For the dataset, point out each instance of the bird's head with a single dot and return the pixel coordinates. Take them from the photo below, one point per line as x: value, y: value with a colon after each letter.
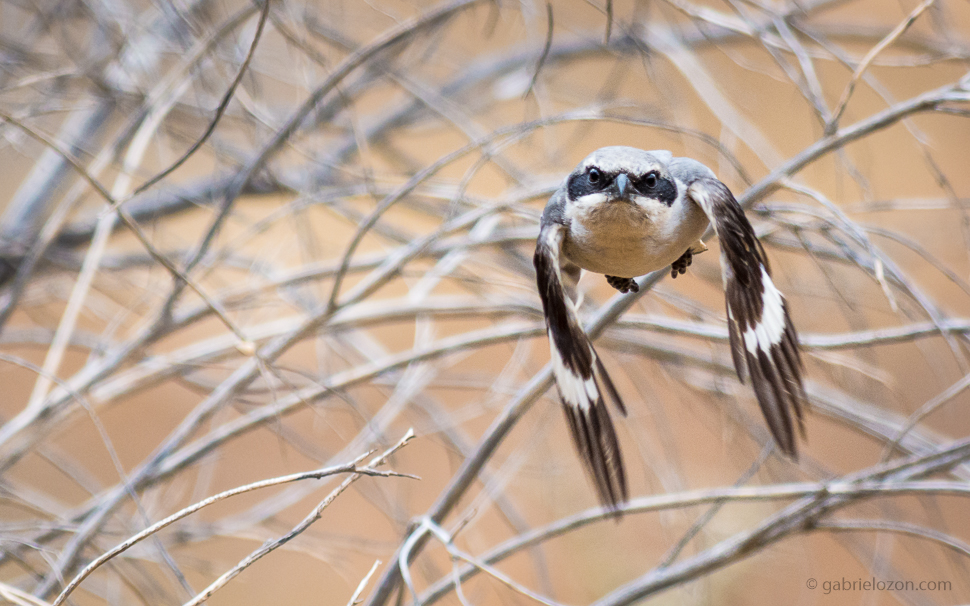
x: 623, y: 175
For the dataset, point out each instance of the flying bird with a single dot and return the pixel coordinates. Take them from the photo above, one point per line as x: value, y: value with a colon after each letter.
x: 625, y: 212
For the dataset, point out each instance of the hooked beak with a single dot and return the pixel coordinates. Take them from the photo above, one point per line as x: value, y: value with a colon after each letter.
x: 621, y: 184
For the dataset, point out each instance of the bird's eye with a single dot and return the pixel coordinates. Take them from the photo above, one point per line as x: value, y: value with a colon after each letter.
x: 594, y: 176
x: 650, y: 180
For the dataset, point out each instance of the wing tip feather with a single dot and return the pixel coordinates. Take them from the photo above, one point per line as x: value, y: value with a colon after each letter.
x: 596, y: 441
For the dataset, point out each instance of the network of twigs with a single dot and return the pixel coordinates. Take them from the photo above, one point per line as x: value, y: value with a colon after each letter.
x: 283, y: 208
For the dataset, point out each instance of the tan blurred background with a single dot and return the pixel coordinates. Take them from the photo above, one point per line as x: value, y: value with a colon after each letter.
x: 347, y: 255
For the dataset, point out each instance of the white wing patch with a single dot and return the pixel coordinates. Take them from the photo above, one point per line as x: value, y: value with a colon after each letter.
x: 764, y: 344
x: 574, y: 390
x: 580, y: 376
x: 771, y: 328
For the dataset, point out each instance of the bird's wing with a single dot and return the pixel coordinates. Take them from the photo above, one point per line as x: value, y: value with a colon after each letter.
x: 763, y: 340
x: 579, y: 374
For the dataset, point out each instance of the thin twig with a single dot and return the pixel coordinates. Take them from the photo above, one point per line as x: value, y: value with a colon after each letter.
x: 313, y: 516
x: 545, y: 51
x: 130, y: 542
x: 891, y: 37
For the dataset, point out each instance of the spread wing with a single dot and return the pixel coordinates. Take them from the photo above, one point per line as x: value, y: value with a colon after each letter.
x: 763, y: 340
x: 579, y: 374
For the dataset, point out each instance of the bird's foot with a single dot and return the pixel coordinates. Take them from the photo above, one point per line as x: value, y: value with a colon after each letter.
x: 680, y: 265
x: 623, y: 285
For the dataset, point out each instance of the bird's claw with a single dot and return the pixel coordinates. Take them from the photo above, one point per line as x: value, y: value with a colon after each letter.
x: 680, y: 266
x: 623, y: 285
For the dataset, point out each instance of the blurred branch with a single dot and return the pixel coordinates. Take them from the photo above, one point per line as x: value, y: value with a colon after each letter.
x: 712, y: 496
x: 331, y: 242
x: 867, y: 60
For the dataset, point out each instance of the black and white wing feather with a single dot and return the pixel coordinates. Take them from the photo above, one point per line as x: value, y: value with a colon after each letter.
x: 580, y: 376
x: 763, y: 340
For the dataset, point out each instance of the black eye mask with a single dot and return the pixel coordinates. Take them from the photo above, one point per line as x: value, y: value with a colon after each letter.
x: 664, y: 189
x: 585, y: 183
x: 582, y: 184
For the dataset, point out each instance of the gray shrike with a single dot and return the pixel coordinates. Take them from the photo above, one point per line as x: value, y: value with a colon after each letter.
x: 625, y: 212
